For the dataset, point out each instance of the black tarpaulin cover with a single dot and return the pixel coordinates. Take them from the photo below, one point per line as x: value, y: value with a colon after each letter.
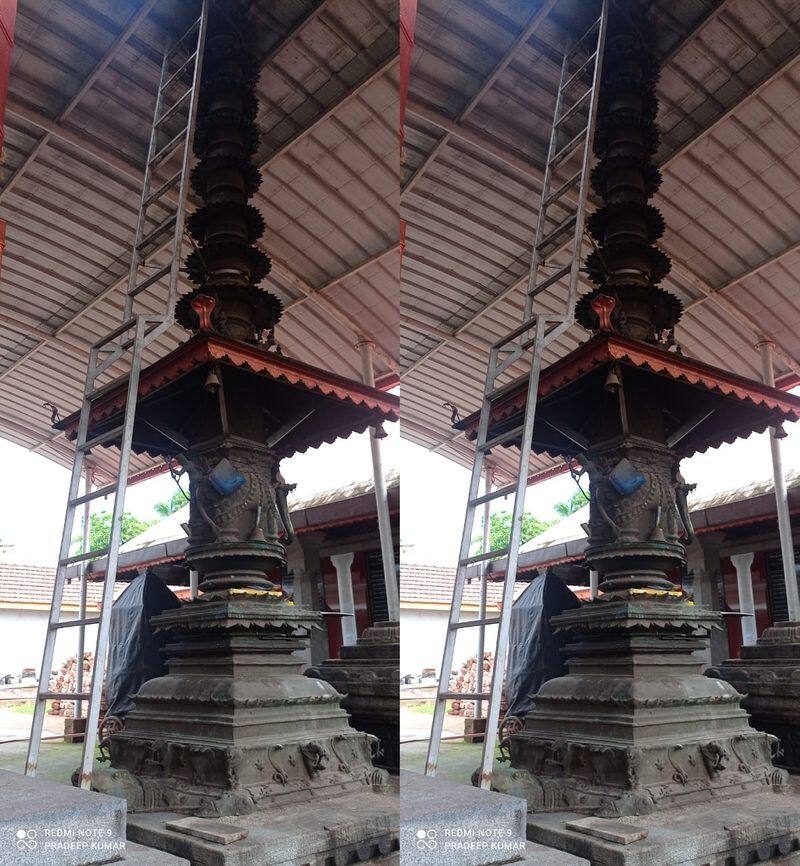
x: 535, y: 652
x: 134, y: 654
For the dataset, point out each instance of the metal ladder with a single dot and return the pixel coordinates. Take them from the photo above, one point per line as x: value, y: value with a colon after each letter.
x: 129, y: 339
x: 528, y: 340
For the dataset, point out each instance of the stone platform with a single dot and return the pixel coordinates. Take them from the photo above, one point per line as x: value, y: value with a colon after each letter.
x: 768, y: 674
x: 44, y: 823
x: 353, y: 829
x: 368, y: 675
x: 443, y: 823
x: 756, y: 828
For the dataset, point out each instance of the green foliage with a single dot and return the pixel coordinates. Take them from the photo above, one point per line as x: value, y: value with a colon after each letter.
x: 100, y: 530
x: 575, y: 503
x: 176, y: 502
x: 500, y: 530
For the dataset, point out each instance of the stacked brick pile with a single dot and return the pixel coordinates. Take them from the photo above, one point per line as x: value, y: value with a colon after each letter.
x: 467, y: 681
x: 66, y: 680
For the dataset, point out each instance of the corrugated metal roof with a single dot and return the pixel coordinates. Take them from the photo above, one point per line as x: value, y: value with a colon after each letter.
x: 81, y: 97
x: 483, y: 83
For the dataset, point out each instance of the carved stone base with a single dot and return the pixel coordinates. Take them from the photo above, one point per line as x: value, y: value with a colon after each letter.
x: 635, y: 726
x: 368, y: 674
x: 234, y: 726
x: 768, y: 674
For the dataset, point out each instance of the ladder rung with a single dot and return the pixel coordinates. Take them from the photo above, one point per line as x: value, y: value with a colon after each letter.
x: 473, y: 623
x: 587, y: 32
x: 464, y: 696
x: 167, y: 149
x: 162, y: 190
x: 183, y: 38
x: 559, y: 230
x: 180, y: 70
x: 580, y: 70
x: 153, y: 278
x: 117, y: 332
x: 95, y: 494
x: 520, y: 329
x: 501, y: 439
x: 103, y: 437
x: 158, y: 230
x: 63, y: 696
x: 81, y: 557
x: 575, y: 106
x: 498, y: 493
x: 482, y: 557
x: 174, y: 107
x: 553, y: 278
x: 567, y: 149
x: 564, y: 188
x: 71, y: 623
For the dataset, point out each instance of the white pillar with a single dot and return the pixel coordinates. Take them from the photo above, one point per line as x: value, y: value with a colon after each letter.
x: 593, y: 583
x: 743, y: 562
x: 193, y: 584
x: 781, y: 499
x: 343, y: 562
x: 381, y: 499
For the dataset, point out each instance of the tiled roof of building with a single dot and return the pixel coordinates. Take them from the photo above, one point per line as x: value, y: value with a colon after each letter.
x: 33, y: 584
x: 433, y: 584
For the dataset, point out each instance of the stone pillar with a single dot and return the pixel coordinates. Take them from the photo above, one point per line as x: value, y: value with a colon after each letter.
x: 343, y: 562
x: 703, y: 560
x: 304, y: 563
x: 593, y: 582
x: 743, y: 562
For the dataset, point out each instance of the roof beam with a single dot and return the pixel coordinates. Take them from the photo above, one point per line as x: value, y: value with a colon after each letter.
x: 754, y: 91
x: 479, y: 140
x: 135, y: 173
x: 116, y: 46
x: 316, y: 296
x: 531, y: 26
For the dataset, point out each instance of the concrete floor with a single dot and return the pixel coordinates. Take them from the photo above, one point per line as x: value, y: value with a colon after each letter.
x: 57, y: 759
x: 457, y: 759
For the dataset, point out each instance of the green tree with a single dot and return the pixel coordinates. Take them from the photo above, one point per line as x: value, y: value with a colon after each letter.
x: 173, y: 504
x: 573, y: 504
x: 500, y: 529
x: 100, y: 530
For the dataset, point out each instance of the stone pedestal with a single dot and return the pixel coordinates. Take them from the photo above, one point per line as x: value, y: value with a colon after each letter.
x: 235, y: 727
x: 759, y: 828
x: 354, y: 829
x: 368, y: 674
x: 635, y: 727
x: 768, y: 674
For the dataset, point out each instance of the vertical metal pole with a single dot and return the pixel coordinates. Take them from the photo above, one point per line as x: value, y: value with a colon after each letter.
x: 593, y: 583
x: 487, y: 516
x: 193, y: 584
x: 381, y: 499
x: 85, y: 548
x: 781, y: 499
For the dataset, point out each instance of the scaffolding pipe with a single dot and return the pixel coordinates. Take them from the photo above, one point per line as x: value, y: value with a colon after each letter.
x: 487, y: 517
x: 781, y: 498
x: 381, y: 498
x: 85, y: 548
